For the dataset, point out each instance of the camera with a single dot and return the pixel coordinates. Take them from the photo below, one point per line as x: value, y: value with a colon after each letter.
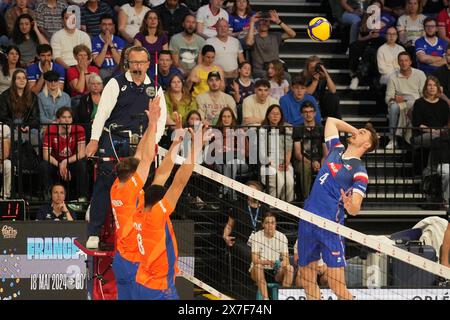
x: 318, y: 67
x: 265, y: 15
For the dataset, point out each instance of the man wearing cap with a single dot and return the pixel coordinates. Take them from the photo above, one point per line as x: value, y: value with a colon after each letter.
x: 36, y: 71
x: 51, y: 98
x: 210, y: 103
x: 123, y: 100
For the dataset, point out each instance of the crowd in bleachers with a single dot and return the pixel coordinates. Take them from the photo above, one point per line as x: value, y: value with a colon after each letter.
x: 219, y: 59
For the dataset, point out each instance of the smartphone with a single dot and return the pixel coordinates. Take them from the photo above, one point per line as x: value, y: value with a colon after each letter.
x: 74, y: 21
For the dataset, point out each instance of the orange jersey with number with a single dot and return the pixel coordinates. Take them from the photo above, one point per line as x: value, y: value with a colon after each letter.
x: 126, y: 200
x: 158, y: 247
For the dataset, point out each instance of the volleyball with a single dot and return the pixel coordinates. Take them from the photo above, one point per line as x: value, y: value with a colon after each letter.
x: 319, y: 29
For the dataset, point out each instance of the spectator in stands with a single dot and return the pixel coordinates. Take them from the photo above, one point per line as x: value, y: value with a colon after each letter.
x: 8, y: 66
x: 107, y: 47
x: 309, y: 149
x: 65, y: 40
x: 270, y: 257
x: 404, y: 87
x: 353, y: 11
x: 242, y: 87
x: 151, y: 36
x: 207, y: 17
x: 48, y: 14
x: 231, y: 150
x: 165, y: 69
x: 291, y: 102
x: 77, y: 75
x: 243, y: 220
x: 210, y: 103
x: 51, y: 98
x: 443, y: 21
x: 178, y: 99
x: 35, y: 72
x: 228, y: 50
x: 430, y: 50
x: 239, y: 20
x: 20, y: 7
x: 429, y: 111
x: 57, y: 209
x: 278, y: 84
x: 278, y: 175
x: 87, y: 109
x: 364, y: 49
x: 5, y: 167
x: 387, y: 55
x: 186, y: 46
x: 91, y: 12
x: 199, y: 74
x: 131, y: 17
x: 265, y: 45
x: 19, y: 106
x: 26, y: 36
x: 254, y: 107
x: 321, y: 87
x: 443, y: 75
x: 172, y: 14
x: 410, y: 27
x: 64, y: 147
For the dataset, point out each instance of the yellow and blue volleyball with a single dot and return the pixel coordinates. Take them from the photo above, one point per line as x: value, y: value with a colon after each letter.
x: 319, y: 29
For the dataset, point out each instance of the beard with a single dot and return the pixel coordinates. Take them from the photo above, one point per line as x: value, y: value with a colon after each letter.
x: 189, y: 32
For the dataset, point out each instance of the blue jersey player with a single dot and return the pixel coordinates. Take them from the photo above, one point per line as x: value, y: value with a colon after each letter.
x: 341, y: 184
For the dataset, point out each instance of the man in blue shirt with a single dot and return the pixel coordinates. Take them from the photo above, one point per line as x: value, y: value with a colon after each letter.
x: 165, y: 70
x: 107, y: 48
x: 341, y: 184
x: 291, y: 103
x: 430, y: 49
x: 51, y: 98
x: 36, y: 71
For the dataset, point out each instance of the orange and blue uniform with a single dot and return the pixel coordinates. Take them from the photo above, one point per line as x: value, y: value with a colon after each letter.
x: 155, y: 278
x: 126, y: 200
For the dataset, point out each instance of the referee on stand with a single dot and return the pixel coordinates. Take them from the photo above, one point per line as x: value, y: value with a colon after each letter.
x: 124, y: 97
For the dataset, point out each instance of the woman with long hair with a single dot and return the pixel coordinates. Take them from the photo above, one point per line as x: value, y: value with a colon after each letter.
x: 26, y: 36
x: 239, y: 19
x: 278, y: 175
x: 151, y: 36
x: 178, y: 99
x: 9, y: 64
x: 19, y: 106
x: 231, y: 149
x: 278, y: 84
x: 130, y: 19
x: 410, y: 27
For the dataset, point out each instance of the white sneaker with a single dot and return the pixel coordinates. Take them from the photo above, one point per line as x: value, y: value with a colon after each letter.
x: 92, y: 242
x: 390, y: 145
x: 354, y: 83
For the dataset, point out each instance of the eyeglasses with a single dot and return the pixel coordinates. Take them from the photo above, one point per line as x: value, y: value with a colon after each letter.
x: 430, y: 26
x: 137, y: 63
x: 310, y: 111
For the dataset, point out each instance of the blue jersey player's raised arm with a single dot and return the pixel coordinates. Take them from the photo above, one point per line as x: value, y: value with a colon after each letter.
x: 341, y: 184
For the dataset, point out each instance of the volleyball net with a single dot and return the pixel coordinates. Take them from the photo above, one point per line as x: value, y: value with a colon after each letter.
x: 404, y: 265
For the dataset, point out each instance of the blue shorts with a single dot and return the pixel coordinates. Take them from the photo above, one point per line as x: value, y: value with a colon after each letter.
x: 144, y: 293
x: 314, y: 241
x: 125, y: 274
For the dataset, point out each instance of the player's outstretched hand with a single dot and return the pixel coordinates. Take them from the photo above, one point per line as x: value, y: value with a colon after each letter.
x: 154, y: 110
